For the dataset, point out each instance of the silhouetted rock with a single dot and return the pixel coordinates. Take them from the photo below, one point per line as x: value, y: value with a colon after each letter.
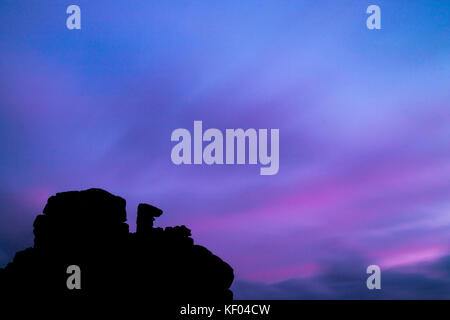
x: 145, y: 216
x: 88, y: 229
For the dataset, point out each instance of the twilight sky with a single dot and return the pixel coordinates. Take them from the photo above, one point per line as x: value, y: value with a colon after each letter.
x: 364, y: 119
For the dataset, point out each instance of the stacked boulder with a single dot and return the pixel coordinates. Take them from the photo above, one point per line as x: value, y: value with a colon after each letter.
x: 88, y: 229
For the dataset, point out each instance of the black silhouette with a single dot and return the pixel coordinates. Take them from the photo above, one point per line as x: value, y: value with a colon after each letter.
x: 88, y: 229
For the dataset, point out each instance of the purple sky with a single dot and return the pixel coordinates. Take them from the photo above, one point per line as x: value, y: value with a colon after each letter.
x: 364, y: 119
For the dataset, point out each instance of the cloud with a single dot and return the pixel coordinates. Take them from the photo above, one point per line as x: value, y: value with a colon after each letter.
x: 423, y: 281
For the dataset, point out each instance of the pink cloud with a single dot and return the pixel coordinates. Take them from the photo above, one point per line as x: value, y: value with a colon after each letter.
x: 406, y: 256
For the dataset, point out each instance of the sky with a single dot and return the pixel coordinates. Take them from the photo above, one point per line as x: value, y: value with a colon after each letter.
x: 364, y: 120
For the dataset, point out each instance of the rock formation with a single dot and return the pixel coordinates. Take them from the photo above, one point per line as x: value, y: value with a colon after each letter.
x: 88, y: 229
